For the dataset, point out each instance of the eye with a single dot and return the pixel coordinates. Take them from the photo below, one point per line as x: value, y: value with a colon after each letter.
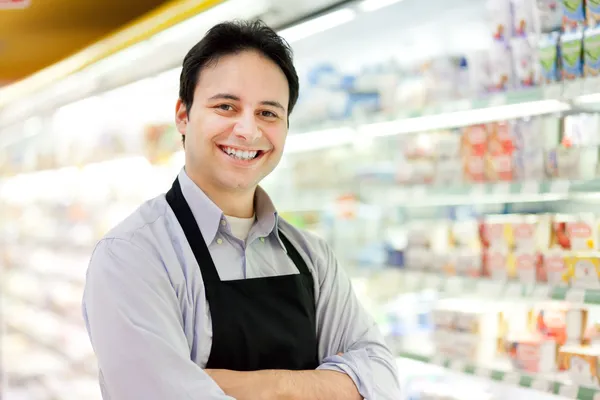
x: 225, y: 107
x: 268, y: 114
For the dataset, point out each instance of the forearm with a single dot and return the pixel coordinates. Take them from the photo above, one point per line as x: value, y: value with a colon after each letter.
x: 286, y: 385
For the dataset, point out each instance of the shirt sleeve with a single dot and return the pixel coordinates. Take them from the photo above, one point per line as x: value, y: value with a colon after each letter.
x: 133, y: 318
x: 345, y: 326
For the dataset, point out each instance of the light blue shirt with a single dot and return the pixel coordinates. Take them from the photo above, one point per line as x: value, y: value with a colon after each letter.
x: 147, y: 316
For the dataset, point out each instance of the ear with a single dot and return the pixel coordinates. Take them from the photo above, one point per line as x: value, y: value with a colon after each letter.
x: 181, y: 117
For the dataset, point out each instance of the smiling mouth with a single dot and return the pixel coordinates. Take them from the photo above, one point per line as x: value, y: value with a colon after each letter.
x: 243, y: 155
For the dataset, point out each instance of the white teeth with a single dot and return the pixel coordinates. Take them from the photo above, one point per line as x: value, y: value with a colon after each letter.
x: 243, y: 155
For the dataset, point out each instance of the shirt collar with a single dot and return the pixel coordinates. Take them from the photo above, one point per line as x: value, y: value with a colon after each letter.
x: 208, y: 215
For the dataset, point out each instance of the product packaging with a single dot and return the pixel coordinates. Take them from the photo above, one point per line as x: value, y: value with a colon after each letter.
x: 583, y: 232
x: 560, y: 322
x: 550, y: 15
x: 591, y: 52
x: 499, y: 168
x: 583, y: 270
x: 500, y: 138
x: 555, y: 267
x: 528, y: 264
x: 500, y: 15
x: 573, y: 15
x: 528, y: 165
x: 581, y: 363
x: 523, y: 21
x: 571, y: 51
x: 532, y: 354
x: 548, y: 56
x: 592, y: 12
x: 501, y: 67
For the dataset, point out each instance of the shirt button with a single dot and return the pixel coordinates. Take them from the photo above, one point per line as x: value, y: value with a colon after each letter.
x: 223, y: 222
x: 262, y: 239
x: 219, y: 241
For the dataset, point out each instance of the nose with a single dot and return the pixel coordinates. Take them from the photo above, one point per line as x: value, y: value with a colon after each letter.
x: 246, y: 128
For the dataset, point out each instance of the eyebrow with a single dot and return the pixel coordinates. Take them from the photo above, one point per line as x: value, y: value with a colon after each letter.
x: 226, y: 96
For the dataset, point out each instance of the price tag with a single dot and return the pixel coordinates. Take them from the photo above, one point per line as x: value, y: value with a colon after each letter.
x: 483, y: 372
x: 457, y: 365
x: 412, y: 281
x: 559, y: 187
x: 552, y: 91
x: 419, y: 191
x: 512, y: 378
x: 478, y: 191
x: 497, y: 100
x: 575, y: 296
x: 432, y: 281
x: 454, y: 285
x: 437, y: 360
x: 541, y: 292
x: 501, y: 189
x: 569, y: 391
x: 573, y: 89
x: 541, y: 385
x: 592, y: 85
x: 530, y: 187
x: 513, y: 290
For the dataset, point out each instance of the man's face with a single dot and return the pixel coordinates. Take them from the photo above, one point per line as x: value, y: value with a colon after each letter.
x: 236, y: 128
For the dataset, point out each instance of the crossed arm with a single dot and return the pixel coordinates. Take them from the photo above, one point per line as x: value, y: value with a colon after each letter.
x: 286, y: 385
x: 134, y: 321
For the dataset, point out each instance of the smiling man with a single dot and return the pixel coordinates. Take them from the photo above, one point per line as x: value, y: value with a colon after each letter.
x: 205, y: 292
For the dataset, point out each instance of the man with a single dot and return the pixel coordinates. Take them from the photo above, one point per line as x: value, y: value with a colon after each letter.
x: 205, y: 293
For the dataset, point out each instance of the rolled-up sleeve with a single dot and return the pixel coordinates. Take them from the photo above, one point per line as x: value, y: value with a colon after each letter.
x: 345, y: 326
x: 133, y: 318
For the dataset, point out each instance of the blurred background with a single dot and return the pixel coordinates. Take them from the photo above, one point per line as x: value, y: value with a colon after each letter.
x: 448, y: 150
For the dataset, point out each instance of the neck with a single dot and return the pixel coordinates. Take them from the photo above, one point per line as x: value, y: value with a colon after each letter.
x: 234, y: 203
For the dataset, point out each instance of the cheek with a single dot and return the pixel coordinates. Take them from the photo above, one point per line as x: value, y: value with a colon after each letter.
x: 276, y: 136
x: 209, y: 126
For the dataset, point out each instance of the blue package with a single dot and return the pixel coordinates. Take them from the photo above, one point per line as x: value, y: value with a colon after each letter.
x: 571, y: 52
x: 573, y: 12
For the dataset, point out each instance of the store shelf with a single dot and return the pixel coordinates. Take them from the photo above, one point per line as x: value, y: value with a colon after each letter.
x: 540, y: 383
x: 549, y: 99
x: 498, y: 193
x: 497, y: 289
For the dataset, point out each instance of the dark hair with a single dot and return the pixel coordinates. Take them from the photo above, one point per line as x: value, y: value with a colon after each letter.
x: 230, y: 38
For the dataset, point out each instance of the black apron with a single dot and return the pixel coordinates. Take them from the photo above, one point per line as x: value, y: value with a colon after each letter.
x: 259, y: 323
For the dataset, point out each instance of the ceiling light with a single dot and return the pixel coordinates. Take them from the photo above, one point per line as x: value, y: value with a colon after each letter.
x: 317, y: 25
x: 372, y: 5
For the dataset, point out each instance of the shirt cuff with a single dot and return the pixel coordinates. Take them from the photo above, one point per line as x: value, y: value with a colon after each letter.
x: 356, y: 365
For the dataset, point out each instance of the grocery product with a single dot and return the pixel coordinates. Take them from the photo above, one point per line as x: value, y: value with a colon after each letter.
x: 573, y: 12
x: 583, y: 270
x: 501, y: 67
x: 581, y: 363
x: 528, y: 165
x: 591, y: 52
x: 561, y: 322
x: 500, y: 15
x: 548, y: 57
x: 526, y: 65
x: 465, y: 329
x: 523, y: 20
x: 528, y: 264
x: 532, y: 353
x: 550, y: 15
x: 555, y: 266
x: 583, y: 232
x: 592, y: 11
x: 571, y: 51
x: 499, y: 168
x: 474, y: 168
